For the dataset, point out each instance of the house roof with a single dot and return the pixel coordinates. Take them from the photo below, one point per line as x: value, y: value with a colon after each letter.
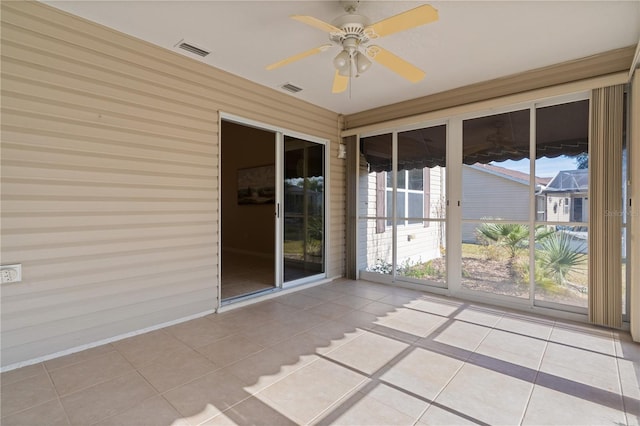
x: 569, y: 181
x: 509, y: 173
x: 471, y: 42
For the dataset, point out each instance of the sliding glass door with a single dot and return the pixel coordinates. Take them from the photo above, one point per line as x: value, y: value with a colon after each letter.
x: 273, y: 208
x: 402, y: 206
x: 524, y: 222
x: 495, y: 204
x: 512, y: 189
x: 303, y: 244
x: 562, y: 162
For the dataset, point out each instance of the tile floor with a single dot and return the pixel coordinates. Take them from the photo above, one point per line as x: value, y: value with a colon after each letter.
x: 347, y: 353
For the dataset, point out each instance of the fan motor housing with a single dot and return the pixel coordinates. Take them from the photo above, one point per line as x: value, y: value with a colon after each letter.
x: 353, y: 26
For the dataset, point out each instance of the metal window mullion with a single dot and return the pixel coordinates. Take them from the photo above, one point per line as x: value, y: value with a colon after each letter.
x: 533, y: 207
x: 394, y: 201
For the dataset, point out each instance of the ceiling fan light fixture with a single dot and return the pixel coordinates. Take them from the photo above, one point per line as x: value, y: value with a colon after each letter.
x: 341, y: 61
x: 362, y: 62
x: 347, y: 71
x: 352, y: 32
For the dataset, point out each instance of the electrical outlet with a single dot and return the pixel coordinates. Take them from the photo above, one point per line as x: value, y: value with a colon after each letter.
x: 11, y: 273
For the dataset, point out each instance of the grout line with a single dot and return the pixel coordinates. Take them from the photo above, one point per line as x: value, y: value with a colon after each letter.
x: 127, y: 409
x: 56, y: 398
x: 59, y: 399
x: 351, y: 392
x: 535, y: 378
x: 252, y: 395
x: 93, y: 357
x: 105, y: 380
x: 622, y: 396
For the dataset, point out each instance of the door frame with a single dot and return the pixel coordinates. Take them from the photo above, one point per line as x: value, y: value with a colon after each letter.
x: 280, y: 133
x: 391, y: 278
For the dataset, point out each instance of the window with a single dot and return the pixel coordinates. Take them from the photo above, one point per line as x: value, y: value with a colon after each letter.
x: 410, y: 197
x: 540, y: 207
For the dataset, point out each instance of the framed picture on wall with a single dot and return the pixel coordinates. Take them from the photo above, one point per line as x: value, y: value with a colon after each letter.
x: 257, y: 185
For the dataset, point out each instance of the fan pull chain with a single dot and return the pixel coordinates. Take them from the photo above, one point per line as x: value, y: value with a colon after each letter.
x: 351, y: 63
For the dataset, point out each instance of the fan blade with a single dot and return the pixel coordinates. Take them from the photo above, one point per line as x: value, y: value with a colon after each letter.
x: 316, y: 23
x: 412, y: 18
x: 396, y: 64
x: 298, y: 56
x: 340, y: 83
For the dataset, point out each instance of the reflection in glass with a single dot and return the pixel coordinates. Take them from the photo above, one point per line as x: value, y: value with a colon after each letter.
x: 303, y: 246
x: 495, y: 194
x: 376, y: 251
x: 419, y: 190
x: 495, y: 175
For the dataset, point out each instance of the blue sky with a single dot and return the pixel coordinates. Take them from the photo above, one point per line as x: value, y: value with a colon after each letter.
x: 545, y: 167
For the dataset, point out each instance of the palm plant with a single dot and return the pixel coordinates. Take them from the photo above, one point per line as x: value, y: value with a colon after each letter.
x: 512, y: 236
x: 557, y: 257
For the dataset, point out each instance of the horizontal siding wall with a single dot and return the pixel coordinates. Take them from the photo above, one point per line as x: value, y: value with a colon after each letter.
x: 110, y: 179
x: 488, y: 196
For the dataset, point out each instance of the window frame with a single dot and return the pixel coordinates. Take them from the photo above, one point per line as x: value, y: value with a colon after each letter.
x: 407, y: 221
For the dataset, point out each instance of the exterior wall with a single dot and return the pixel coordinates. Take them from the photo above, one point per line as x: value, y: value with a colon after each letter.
x: 416, y: 243
x: 485, y: 195
x: 110, y: 194
x: 559, y: 211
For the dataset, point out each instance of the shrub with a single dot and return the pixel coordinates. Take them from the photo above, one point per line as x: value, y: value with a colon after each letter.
x: 557, y: 258
x: 511, y: 236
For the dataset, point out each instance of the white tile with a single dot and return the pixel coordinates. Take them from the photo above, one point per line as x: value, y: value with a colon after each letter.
x: 550, y: 407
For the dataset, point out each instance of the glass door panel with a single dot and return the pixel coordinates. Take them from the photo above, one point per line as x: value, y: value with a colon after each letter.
x: 495, y: 204
x: 421, y: 205
x: 626, y: 289
x: 304, y: 207
x: 375, y: 212
x: 377, y: 255
x: 402, y: 206
x: 562, y: 168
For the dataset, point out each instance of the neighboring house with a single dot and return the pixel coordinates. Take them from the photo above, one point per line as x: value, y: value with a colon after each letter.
x: 419, y: 241
x: 566, y: 197
x: 485, y: 187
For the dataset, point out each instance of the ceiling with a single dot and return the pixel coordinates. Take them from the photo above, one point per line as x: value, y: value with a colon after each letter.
x: 472, y: 41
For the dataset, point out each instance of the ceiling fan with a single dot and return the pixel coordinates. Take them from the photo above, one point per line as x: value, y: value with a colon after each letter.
x: 353, y: 32
x: 501, y: 141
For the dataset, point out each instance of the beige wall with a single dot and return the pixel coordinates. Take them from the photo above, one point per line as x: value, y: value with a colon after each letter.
x: 245, y: 228
x: 110, y: 196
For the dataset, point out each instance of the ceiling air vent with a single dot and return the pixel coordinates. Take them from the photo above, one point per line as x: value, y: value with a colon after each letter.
x: 291, y: 88
x: 189, y: 47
